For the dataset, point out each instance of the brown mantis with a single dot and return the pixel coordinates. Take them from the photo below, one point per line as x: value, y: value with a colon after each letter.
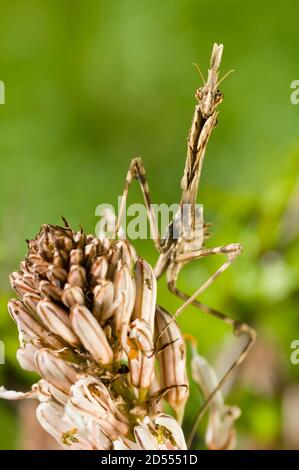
x: 175, y: 252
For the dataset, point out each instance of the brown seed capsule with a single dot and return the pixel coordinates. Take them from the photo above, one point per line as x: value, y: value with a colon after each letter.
x: 45, y: 252
x: 98, y: 269
x: 47, y: 289
x: 93, y: 338
x: 90, y: 253
x: 25, y: 357
x: 30, y: 280
x: 172, y: 360
x: 55, y: 370
x: 19, y: 285
x: 56, y: 275
x: 72, y: 295
x: 60, y: 258
x: 31, y: 326
x: 79, y: 239
x: 127, y: 254
x: 146, y: 292
x: 124, y: 289
x: 30, y: 301
x: 37, y: 264
x: 68, y: 244
x: 103, y: 294
x: 23, y: 266
x: 137, y: 340
x: 77, y: 276
x: 57, y: 320
x: 76, y: 256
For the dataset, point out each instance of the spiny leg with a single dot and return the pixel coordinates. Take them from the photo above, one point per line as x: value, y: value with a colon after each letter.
x: 232, y: 251
x: 238, y: 327
x: 137, y: 171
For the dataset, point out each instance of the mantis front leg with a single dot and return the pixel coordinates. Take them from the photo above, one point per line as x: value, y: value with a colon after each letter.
x: 137, y: 171
x: 232, y: 251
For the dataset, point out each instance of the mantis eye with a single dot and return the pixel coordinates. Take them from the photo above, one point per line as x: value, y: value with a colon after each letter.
x: 199, y: 94
x: 218, y: 96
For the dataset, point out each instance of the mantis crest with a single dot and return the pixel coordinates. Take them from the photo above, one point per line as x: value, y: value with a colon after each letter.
x: 176, y: 252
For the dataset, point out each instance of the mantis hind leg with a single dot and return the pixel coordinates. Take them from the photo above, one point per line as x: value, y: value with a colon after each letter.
x: 239, y: 328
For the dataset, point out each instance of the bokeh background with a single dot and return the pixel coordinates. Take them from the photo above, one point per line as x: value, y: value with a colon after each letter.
x: 91, y: 84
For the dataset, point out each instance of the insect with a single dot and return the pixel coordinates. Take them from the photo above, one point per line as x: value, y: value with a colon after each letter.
x: 176, y: 252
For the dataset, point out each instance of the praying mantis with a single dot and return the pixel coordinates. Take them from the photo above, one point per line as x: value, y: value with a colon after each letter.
x: 176, y: 252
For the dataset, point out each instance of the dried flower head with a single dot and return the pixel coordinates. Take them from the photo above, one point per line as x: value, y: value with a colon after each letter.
x: 86, y: 313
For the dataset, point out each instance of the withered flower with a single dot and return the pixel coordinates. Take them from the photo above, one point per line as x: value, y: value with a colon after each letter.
x: 220, y: 434
x: 86, y: 313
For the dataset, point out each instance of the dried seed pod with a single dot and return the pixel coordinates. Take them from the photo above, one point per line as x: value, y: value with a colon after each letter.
x: 60, y: 258
x: 55, y: 370
x: 26, y: 323
x: 30, y: 280
x: 25, y: 357
x: 23, y: 268
x: 20, y: 285
x: 79, y: 239
x: 127, y: 252
x: 124, y: 289
x: 138, y: 343
x: 90, y: 252
x: 30, y: 301
x: 99, y: 269
x: 146, y: 293
x: 67, y: 244
x: 57, y: 320
x: 77, y: 276
x: 103, y: 296
x: 56, y: 275
x: 91, y: 335
x: 172, y: 360
x: 47, y: 289
x: 76, y: 256
x: 36, y: 264
x: 72, y: 295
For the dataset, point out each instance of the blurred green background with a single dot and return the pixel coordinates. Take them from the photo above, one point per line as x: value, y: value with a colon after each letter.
x: 91, y: 84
